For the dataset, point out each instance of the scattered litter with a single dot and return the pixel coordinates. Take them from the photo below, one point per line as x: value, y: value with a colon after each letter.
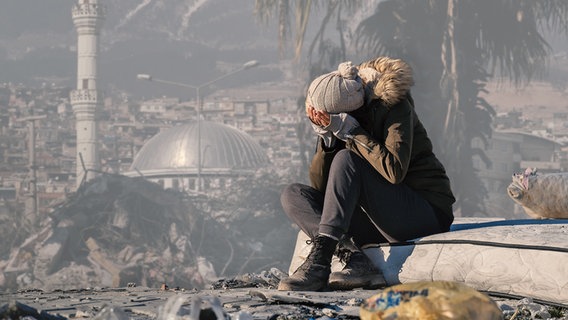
x: 243, y: 304
x: 109, y: 312
x: 542, y: 195
x: 266, y: 279
x: 16, y: 310
x: 430, y: 300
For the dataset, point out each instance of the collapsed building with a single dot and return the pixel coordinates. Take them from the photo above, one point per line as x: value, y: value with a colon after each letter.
x: 118, y: 231
x: 200, y: 202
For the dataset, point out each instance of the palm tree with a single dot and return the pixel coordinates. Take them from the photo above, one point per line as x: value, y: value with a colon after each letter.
x: 328, y: 54
x: 302, y: 10
x: 454, y: 47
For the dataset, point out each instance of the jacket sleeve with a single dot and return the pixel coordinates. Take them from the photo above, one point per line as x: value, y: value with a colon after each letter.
x: 321, y: 162
x: 391, y: 155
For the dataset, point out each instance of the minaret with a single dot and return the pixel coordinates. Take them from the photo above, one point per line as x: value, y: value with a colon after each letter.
x: 88, y: 16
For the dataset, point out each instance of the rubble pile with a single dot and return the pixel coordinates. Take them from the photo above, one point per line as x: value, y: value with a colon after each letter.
x: 12, y: 227
x: 118, y: 231
x: 252, y: 302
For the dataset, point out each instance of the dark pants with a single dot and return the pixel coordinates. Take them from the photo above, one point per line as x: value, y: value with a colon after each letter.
x: 359, y: 202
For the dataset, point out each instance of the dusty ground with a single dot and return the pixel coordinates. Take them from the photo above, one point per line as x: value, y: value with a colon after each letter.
x: 234, y: 303
x: 148, y: 303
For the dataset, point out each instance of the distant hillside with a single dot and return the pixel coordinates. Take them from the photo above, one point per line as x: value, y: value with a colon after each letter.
x: 175, y: 39
x: 179, y: 40
x: 224, y: 23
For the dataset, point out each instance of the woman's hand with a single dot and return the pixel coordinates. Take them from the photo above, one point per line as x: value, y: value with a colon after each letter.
x: 320, y: 118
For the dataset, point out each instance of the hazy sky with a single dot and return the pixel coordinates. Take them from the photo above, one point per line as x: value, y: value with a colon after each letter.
x: 170, y: 36
x: 174, y: 38
x: 22, y: 16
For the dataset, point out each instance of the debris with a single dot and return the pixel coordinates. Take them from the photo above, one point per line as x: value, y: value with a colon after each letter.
x: 266, y: 279
x: 97, y: 257
x: 109, y: 312
x: 150, y: 303
x: 117, y: 231
x: 526, y: 308
x: 430, y: 300
x: 16, y: 310
x: 542, y: 195
x: 279, y: 298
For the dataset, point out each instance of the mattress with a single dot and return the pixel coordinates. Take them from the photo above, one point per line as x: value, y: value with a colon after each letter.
x: 524, y: 258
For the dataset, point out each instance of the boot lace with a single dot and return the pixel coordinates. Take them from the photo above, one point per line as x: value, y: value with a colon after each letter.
x: 344, y: 255
x: 314, y: 254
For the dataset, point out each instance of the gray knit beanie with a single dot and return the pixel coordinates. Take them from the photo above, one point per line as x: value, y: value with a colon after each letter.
x: 337, y: 91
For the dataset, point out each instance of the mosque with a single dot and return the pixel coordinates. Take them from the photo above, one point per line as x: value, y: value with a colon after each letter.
x: 172, y: 159
x: 194, y: 156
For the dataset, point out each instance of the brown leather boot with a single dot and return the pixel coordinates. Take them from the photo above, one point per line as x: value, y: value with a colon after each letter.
x: 313, y: 274
x: 358, y: 272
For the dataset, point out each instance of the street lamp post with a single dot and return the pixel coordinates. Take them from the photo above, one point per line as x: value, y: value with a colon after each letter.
x: 247, y: 65
x: 34, y: 215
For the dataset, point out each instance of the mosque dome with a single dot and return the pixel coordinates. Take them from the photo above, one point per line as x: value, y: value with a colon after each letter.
x: 224, y: 150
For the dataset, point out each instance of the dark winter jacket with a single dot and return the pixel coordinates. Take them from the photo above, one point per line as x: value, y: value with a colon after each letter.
x: 391, y: 137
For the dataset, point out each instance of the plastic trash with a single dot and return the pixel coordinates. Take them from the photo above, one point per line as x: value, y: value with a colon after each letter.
x: 437, y: 300
x: 541, y: 195
x: 173, y: 309
x: 109, y: 312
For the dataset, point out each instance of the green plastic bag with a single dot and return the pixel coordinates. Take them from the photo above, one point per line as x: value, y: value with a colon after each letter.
x: 437, y: 300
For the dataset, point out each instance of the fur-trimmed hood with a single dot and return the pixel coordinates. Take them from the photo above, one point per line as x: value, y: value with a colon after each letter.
x: 386, y: 79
